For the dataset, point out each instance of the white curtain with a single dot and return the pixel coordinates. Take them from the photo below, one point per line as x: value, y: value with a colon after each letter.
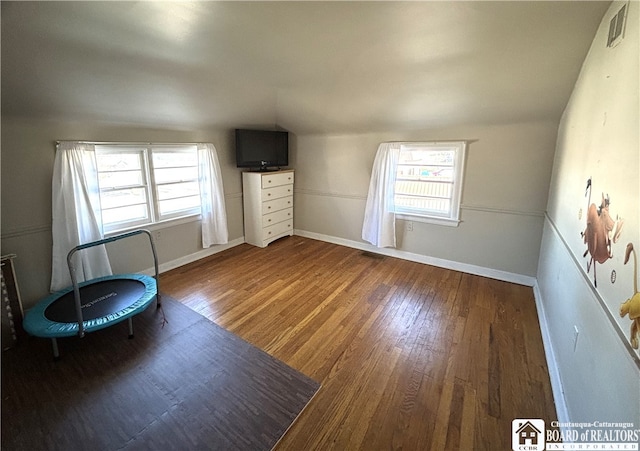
x: 214, y: 214
x: 76, y: 215
x: 379, y: 227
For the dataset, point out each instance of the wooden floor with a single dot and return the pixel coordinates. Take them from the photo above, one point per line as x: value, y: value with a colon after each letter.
x: 410, y: 356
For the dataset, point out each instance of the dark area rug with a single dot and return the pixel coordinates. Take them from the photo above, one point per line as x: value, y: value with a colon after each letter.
x: 187, y: 384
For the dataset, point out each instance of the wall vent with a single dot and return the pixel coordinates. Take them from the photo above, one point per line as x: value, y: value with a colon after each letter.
x: 616, y: 27
x: 372, y: 255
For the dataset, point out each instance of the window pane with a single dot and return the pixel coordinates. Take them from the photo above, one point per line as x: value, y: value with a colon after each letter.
x: 118, y: 161
x: 416, y: 188
x: 119, y: 179
x: 176, y: 190
x: 421, y: 156
x: 175, y: 174
x: 125, y: 214
x: 122, y: 197
x: 172, y: 159
x: 424, y: 204
x: 178, y: 205
x: 425, y: 173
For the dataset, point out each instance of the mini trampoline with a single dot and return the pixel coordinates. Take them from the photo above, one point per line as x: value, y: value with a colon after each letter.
x: 94, y: 304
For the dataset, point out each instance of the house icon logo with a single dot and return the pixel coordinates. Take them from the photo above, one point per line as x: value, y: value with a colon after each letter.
x: 527, y: 435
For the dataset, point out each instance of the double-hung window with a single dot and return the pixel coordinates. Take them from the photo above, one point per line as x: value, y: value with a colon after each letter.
x: 142, y: 185
x: 429, y: 181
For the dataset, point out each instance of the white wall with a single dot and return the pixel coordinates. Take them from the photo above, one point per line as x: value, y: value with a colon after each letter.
x: 28, y: 149
x: 599, y: 138
x: 507, y: 175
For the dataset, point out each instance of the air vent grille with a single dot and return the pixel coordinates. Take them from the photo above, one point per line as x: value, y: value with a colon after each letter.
x: 616, y: 27
x: 372, y: 255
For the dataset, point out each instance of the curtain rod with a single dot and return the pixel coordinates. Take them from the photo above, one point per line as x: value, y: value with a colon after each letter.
x: 131, y: 143
x: 439, y: 141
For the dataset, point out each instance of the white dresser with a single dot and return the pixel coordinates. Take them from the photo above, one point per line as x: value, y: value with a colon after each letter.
x: 267, y: 198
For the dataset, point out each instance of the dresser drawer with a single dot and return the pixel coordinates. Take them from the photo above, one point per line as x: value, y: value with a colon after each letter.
x: 277, y: 229
x: 272, y: 206
x: 277, y: 192
x: 277, y: 179
x: 278, y: 216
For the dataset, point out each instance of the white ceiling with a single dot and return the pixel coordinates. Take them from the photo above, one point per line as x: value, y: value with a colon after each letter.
x: 307, y: 67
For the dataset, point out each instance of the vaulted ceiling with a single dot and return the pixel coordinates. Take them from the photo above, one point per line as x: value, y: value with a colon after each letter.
x: 308, y: 67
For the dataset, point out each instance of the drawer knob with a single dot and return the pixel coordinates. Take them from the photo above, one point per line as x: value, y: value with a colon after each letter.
x: 269, y: 181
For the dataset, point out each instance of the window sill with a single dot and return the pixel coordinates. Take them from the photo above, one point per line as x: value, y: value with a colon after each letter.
x: 429, y: 220
x: 158, y: 225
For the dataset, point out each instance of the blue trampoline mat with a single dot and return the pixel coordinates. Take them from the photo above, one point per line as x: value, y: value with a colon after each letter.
x: 105, y: 301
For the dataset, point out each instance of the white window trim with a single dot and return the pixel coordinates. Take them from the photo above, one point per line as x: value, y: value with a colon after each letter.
x: 453, y: 220
x: 159, y: 225
x: 428, y: 219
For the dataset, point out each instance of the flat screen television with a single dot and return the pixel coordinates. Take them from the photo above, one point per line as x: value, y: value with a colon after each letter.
x: 261, y: 149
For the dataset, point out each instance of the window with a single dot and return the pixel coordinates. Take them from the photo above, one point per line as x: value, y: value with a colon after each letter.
x: 142, y: 185
x: 429, y: 181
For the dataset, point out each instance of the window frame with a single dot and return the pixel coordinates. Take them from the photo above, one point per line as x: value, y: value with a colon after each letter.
x: 155, y: 185
x: 421, y: 215
x: 145, y: 152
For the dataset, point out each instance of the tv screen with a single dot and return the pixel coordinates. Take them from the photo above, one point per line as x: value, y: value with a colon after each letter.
x: 261, y: 149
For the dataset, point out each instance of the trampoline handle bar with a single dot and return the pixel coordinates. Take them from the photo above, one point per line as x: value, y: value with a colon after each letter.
x: 72, y: 270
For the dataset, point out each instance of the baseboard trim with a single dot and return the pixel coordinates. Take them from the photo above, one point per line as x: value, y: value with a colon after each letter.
x: 504, y: 276
x: 173, y: 264
x: 554, y: 372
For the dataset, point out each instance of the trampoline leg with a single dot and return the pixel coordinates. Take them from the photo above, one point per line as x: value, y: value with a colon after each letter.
x: 56, y: 353
x: 130, y: 328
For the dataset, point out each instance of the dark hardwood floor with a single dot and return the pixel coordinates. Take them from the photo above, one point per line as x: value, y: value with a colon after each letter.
x: 410, y: 356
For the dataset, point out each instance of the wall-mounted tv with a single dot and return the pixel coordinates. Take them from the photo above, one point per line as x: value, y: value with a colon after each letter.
x: 261, y: 149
